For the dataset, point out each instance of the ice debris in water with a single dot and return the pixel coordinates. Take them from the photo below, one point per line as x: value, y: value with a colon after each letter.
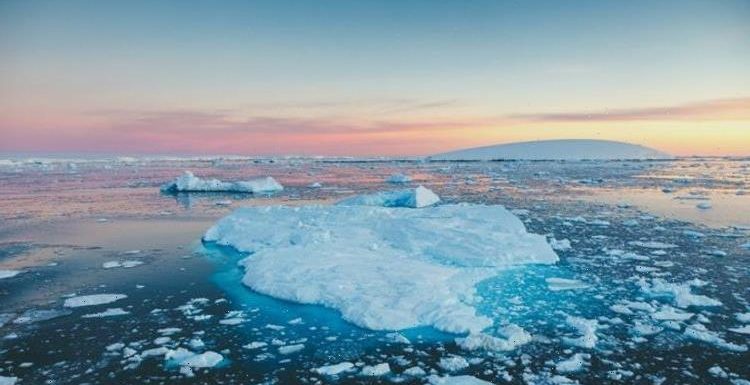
x: 560, y: 284
x: 680, y: 292
x: 398, y: 178
x: 332, y: 370
x: 587, y: 328
x: 93, y: 300
x: 514, y: 337
x: 456, y: 380
x: 9, y: 273
x: 8, y: 380
x: 376, y: 370
x: 112, y: 312
x: 414, y: 198
x: 382, y: 268
x: 188, y: 182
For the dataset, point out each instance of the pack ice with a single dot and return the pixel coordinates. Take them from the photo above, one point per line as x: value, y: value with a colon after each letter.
x: 383, y: 268
x: 188, y: 182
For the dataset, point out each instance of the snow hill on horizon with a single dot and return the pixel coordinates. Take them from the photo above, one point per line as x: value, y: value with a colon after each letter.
x: 563, y: 149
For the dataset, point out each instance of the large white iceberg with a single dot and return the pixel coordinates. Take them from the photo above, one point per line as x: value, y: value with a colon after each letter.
x: 569, y: 149
x: 414, y: 198
x: 382, y: 268
x: 188, y: 182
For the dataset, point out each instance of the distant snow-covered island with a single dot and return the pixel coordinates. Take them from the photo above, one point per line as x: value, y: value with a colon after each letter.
x: 564, y: 149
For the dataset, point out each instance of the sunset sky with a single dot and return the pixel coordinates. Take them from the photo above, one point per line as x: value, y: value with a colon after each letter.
x: 361, y: 77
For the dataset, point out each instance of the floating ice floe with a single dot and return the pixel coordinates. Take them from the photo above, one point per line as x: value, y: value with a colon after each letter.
x: 376, y: 370
x: 560, y: 284
x: 652, y: 245
x: 576, y: 363
x: 8, y: 380
x: 93, y: 300
x: 456, y: 380
x: 453, y: 363
x: 9, y: 273
x: 36, y: 315
x: 680, y: 292
x: 188, y: 182
x: 335, y: 369
x: 560, y: 245
x: 413, y: 198
x: 382, y: 268
x: 398, y: 178
x: 587, y: 328
x: 112, y: 312
x: 701, y: 333
x: 704, y: 205
x: 514, y: 336
x: 126, y: 264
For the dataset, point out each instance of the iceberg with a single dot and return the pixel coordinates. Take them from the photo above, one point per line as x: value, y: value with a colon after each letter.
x: 565, y: 149
x: 93, y: 300
x: 413, y: 198
x: 383, y: 268
x: 188, y: 182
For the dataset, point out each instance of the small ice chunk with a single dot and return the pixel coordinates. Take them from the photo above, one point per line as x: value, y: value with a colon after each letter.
x: 680, y: 292
x: 415, y: 371
x: 453, y: 363
x: 699, y: 332
x: 93, y: 300
x: 575, y: 363
x: 398, y: 178
x: 289, y: 349
x: 704, y: 205
x: 668, y: 313
x: 332, y: 370
x: 456, y: 380
x: 560, y: 245
x: 560, y: 284
x: 652, y: 245
x: 8, y: 380
x: 413, y: 198
x: 111, y: 312
x: 742, y: 317
x: 255, y: 345
x: 207, y: 359
x: 514, y: 336
x: 587, y: 328
x: 376, y: 370
x: 741, y: 330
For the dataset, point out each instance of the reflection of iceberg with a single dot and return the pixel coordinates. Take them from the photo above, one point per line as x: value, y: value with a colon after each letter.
x: 414, y: 198
x: 188, y: 182
x: 383, y: 268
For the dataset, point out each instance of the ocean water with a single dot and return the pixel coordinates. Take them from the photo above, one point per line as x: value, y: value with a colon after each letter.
x: 631, y: 225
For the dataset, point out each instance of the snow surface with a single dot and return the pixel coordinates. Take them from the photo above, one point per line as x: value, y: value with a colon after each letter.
x: 188, y: 182
x: 566, y: 149
x: 93, y: 300
x: 382, y: 268
x: 413, y: 198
